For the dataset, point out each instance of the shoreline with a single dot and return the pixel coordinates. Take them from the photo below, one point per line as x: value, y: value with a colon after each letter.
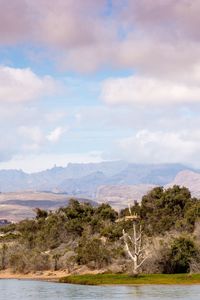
x: 104, y: 279
x: 50, y: 276
x: 47, y: 275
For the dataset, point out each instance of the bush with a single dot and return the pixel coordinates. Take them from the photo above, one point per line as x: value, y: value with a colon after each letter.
x: 92, y: 251
x: 182, y: 251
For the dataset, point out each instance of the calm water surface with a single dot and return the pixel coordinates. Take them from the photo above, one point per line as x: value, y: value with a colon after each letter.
x: 25, y: 290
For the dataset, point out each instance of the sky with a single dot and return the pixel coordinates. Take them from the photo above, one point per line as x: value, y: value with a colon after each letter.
x: 97, y: 80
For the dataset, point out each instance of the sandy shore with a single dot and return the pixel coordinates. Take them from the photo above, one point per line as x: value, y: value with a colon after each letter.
x: 47, y: 275
x: 44, y: 275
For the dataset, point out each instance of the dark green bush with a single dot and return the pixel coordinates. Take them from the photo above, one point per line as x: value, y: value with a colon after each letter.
x: 182, y: 251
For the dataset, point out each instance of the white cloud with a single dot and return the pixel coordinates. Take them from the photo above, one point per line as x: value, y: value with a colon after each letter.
x: 156, y: 35
x: 160, y: 147
x: 33, y: 133
x: 20, y: 85
x: 55, y: 116
x: 169, y: 18
x: 149, y: 90
x: 32, y: 138
x: 55, y: 134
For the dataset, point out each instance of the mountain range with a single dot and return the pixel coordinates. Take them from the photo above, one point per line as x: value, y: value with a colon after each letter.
x: 116, y: 182
x: 84, y: 179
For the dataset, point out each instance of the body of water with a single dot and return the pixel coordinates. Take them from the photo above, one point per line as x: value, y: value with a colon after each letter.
x: 38, y: 290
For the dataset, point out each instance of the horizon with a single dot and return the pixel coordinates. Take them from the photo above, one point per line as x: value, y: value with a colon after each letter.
x: 34, y: 171
x: 95, y: 81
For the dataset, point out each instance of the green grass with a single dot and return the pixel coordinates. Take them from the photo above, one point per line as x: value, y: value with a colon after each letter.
x: 101, y: 279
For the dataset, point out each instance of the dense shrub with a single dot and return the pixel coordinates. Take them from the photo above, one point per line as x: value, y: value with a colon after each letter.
x: 181, y: 252
x: 93, y: 251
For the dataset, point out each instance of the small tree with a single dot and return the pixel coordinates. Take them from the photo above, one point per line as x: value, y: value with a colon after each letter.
x: 134, y: 244
x: 40, y: 213
x: 3, y: 256
x: 56, y: 258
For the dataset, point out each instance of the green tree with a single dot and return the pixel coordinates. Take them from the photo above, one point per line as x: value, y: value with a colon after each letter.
x: 181, y: 252
x: 40, y: 213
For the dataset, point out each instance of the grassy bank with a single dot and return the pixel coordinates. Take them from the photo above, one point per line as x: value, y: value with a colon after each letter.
x: 99, y: 279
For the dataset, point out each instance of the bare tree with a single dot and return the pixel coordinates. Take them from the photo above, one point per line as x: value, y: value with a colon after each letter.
x: 134, y: 244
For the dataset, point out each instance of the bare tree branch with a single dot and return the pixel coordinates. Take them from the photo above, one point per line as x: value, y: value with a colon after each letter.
x: 133, y: 245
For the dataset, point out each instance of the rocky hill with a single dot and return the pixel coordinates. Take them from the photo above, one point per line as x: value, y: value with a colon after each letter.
x: 120, y: 196
x: 189, y: 179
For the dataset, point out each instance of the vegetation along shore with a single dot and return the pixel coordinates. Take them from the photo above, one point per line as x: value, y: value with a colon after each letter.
x: 159, y: 236
x: 109, y: 279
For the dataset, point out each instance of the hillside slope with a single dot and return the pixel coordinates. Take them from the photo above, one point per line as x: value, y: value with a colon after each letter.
x: 189, y: 179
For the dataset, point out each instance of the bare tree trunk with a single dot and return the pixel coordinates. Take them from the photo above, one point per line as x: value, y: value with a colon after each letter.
x: 133, y: 246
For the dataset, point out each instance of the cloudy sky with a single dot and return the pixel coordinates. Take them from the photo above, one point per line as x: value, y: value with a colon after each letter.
x: 99, y: 80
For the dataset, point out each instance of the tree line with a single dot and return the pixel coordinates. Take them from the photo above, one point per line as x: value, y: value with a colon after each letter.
x: 84, y: 235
